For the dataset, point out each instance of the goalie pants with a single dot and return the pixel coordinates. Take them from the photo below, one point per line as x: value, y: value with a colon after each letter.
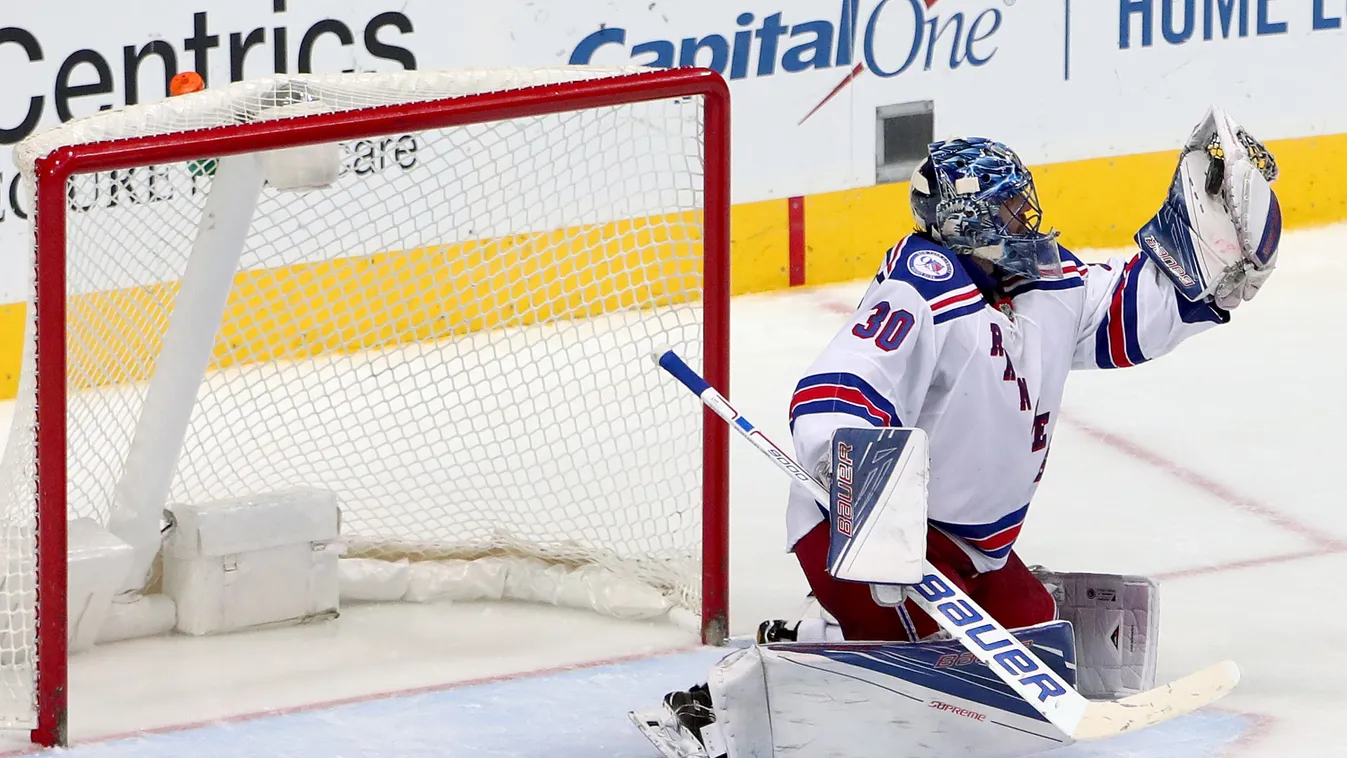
x: 1012, y: 594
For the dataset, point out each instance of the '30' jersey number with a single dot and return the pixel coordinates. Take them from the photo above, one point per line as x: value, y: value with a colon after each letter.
x: 887, y: 327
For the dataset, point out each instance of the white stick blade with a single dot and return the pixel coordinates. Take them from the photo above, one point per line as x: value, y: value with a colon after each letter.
x: 1146, y: 709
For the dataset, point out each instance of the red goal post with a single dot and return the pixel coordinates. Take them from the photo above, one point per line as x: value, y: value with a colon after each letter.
x: 53, y: 171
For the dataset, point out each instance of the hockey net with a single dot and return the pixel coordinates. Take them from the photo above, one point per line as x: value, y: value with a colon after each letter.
x: 453, y: 336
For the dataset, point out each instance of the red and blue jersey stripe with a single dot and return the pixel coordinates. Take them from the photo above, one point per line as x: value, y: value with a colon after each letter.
x: 994, y: 540
x: 961, y: 302
x: 1116, y: 344
x: 841, y: 392
x: 892, y: 257
x: 1071, y: 278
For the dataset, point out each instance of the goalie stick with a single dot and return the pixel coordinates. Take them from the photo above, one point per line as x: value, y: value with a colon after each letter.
x: 983, y: 636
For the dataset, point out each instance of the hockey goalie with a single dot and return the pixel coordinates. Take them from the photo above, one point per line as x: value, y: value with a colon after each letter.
x: 924, y: 427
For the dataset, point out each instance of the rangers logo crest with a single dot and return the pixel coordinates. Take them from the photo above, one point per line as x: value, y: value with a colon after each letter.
x: 931, y: 265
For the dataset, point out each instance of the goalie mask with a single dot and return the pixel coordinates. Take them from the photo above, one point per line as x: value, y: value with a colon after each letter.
x: 975, y: 196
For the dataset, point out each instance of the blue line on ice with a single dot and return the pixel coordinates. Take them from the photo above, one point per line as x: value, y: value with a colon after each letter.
x: 580, y: 713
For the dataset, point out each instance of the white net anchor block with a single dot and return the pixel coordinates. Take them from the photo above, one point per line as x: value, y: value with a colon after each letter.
x: 302, y: 168
x: 252, y: 561
x: 98, y: 561
x: 138, y: 616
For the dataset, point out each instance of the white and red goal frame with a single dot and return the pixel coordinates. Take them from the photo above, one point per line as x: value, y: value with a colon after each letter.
x: 54, y: 170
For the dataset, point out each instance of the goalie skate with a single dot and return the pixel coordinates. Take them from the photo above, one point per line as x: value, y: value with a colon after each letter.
x: 678, y: 728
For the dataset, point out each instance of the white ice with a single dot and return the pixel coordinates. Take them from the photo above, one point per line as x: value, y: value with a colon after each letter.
x: 1214, y: 469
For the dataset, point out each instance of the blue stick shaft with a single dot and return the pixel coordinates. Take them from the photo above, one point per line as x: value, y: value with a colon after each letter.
x: 670, y: 362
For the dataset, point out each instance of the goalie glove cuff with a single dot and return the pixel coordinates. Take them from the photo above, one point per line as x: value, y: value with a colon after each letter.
x: 1257, y: 218
x: 1256, y: 213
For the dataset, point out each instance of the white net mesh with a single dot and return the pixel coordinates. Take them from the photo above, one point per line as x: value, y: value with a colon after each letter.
x: 453, y: 336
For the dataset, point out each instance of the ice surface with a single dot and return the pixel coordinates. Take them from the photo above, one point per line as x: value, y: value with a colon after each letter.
x: 1216, y: 468
x: 573, y: 714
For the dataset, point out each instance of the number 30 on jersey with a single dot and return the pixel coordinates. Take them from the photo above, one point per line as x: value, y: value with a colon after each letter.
x: 887, y: 327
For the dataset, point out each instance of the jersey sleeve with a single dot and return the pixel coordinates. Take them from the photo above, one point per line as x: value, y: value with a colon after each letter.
x: 874, y: 372
x: 1132, y: 314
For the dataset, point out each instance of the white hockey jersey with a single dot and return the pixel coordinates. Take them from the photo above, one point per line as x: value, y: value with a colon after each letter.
x: 928, y: 348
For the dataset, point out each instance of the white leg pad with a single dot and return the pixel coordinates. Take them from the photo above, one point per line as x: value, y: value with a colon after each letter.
x: 1116, y: 620
x: 788, y: 701
x: 738, y: 685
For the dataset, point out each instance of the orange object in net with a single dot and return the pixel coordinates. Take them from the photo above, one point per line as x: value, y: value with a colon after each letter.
x: 187, y: 81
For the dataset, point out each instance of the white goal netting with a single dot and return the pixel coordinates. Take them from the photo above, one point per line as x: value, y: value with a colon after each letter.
x: 453, y: 337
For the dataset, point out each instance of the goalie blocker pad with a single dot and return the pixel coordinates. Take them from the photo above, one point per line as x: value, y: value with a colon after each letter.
x: 877, y: 505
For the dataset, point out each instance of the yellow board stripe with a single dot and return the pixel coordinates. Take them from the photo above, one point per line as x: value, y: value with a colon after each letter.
x: 428, y: 293
x: 431, y: 293
x: 12, y: 320
x: 1096, y: 204
x: 355, y: 303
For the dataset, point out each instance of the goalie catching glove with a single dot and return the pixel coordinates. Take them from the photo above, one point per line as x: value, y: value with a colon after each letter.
x: 1216, y: 236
